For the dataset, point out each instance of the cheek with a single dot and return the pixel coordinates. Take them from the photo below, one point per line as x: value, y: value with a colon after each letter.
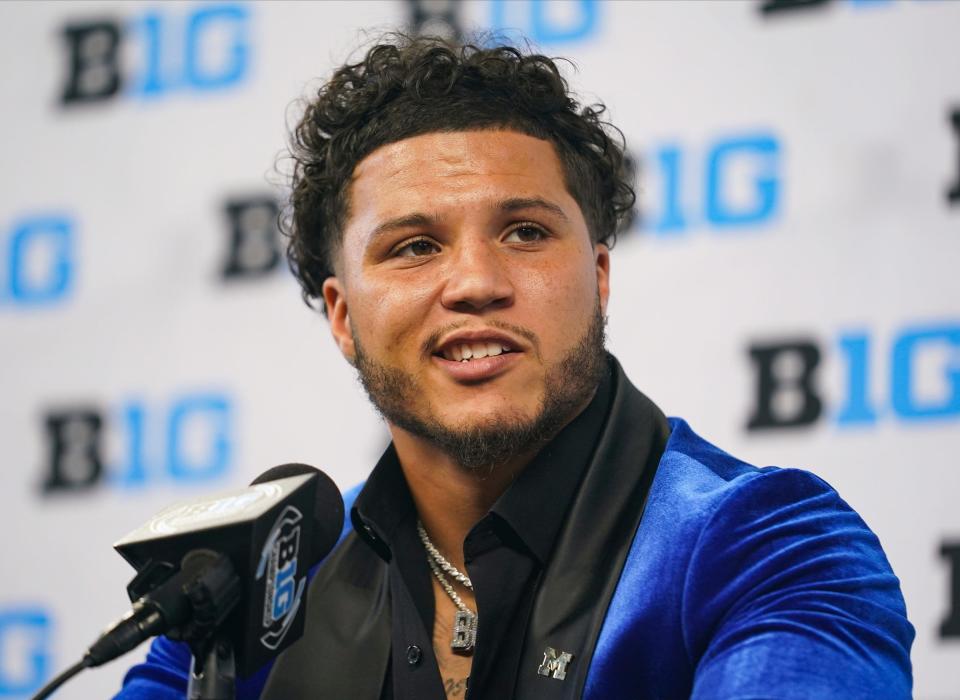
x: 564, y: 298
x: 388, y: 311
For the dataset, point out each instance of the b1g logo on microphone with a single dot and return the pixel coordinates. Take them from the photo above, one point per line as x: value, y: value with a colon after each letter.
x: 156, y: 53
x: 278, y: 568
x: 37, y: 261
x: 922, y: 367
x: 25, y: 650
x: 187, y: 440
x: 733, y: 182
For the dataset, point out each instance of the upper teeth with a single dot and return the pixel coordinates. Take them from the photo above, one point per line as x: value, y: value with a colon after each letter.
x: 472, y: 351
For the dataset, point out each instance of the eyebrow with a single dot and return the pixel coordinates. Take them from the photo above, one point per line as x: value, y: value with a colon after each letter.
x: 518, y: 203
x: 408, y: 221
x: 513, y: 204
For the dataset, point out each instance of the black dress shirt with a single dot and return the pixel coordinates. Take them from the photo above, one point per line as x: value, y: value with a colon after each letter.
x: 505, y: 554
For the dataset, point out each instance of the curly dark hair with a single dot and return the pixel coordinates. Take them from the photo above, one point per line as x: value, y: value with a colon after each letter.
x: 407, y: 86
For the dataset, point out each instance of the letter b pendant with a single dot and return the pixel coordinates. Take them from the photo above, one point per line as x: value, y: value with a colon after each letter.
x: 464, y: 632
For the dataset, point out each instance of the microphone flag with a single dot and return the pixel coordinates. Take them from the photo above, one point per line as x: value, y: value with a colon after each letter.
x: 266, y: 530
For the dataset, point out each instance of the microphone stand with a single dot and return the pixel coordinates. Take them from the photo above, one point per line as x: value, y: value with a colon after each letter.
x: 213, y: 673
x: 208, y: 582
x: 213, y: 593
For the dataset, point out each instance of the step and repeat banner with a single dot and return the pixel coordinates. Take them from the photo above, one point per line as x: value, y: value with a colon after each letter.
x: 791, y: 283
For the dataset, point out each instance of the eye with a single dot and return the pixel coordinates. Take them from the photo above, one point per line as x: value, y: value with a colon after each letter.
x: 416, y: 248
x: 526, y: 232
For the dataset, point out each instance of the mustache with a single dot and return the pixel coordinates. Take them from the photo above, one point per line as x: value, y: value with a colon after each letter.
x: 525, y: 333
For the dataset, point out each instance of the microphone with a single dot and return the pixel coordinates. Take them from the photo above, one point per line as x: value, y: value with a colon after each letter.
x: 234, y: 563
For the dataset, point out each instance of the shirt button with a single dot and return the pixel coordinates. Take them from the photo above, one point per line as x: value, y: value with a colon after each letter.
x: 414, y: 655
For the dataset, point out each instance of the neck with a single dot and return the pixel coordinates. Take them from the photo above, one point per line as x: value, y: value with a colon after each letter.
x: 450, y: 499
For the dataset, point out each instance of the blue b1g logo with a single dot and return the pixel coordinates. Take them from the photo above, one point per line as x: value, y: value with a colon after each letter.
x: 188, y: 439
x: 734, y: 182
x: 286, y: 570
x: 161, y: 51
x: 25, y: 644
x: 546, y: 21
x: 924, y: 375
x: 915, y: 378
x: 37, y: 260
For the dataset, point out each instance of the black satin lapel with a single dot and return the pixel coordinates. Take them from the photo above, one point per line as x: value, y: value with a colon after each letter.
x: 591, y: 549
x: 346, y: 641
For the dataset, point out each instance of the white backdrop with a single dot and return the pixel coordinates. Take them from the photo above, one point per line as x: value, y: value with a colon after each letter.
x: 795, y: 167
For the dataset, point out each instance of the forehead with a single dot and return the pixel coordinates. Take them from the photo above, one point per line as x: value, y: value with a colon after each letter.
x: 461, y: 153
x: 459, y: 170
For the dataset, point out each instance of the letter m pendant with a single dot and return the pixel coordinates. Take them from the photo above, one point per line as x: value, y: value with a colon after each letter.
x: 554, y: 663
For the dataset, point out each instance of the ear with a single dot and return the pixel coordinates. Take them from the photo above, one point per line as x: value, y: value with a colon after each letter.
x: 338, y: 314
x: 602, y: 254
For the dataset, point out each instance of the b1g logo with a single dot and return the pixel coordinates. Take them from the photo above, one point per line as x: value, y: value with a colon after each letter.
x: 188, y: 440
x: 784, y: 7
x: 25, y: 650
x: 254, y: 244
x: 283, y: 592
x: 541, y: 21
x: 953, y: 192
x: 156, y: 53
x: 950, y: 625
x: 923, y: 370
x: 37, y: 260
x: 546, y: 21
x: 436, y: 18
x: 734, y: 182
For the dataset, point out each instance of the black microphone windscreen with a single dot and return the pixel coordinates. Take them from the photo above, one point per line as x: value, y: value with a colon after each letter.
x: 284, y: 471
x: 271, y: 532
x: 327, y: 509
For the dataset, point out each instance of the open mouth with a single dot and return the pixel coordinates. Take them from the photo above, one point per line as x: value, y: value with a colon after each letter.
x: 465, y: 352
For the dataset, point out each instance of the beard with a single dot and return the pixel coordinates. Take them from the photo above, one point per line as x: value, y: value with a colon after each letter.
x: 491, y: 441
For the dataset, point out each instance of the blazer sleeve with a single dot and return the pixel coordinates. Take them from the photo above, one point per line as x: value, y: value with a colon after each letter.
x: 789, y: 595
x: 163, y: 675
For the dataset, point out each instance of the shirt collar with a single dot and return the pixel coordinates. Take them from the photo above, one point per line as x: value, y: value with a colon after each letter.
x: 383, y: 504
x: 533, y: 506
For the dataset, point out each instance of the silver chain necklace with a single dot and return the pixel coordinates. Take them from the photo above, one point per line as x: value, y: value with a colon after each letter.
x: 465, y: 621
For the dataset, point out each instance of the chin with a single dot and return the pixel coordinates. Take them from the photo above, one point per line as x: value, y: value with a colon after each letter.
x: 488, y: 416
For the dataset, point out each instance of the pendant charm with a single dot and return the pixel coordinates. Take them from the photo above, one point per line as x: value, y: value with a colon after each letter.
x: 464, y: 632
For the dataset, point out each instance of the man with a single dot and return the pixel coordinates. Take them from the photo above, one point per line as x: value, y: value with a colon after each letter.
x: 538, y: 528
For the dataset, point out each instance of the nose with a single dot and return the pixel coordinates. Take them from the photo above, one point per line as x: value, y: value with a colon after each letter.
x: 477, y: 278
